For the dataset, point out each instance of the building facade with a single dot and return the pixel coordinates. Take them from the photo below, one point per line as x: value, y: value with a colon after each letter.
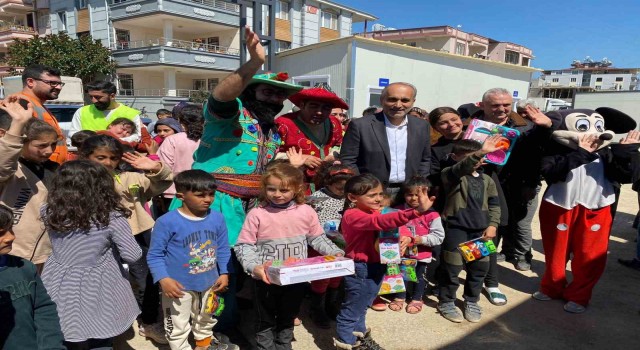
x: 170, y: 50
x: 456, y: 41
x: 357, y: 69
x: 585, y: 76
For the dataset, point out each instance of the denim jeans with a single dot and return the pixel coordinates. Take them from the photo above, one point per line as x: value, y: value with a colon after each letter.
x: 360, y: 289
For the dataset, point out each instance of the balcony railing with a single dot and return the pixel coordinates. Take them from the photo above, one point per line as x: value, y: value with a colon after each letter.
x: 159, y: 92
x: 179, y: 44
x: 5, y: 27
x: 218, y: 4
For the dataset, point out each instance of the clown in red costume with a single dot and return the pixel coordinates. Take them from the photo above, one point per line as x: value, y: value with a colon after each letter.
x: 312, y: 130
x: 583, y: 171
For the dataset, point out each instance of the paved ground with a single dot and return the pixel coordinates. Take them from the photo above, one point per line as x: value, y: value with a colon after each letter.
x: 611, y: 321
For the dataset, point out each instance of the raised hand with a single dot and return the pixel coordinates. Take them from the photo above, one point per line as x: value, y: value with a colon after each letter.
x: 491, y: 144
x: 632, y: 137
x: 252, y: 40
x: 140, y: 162
x: 589, y: 142
x: 537, y: 117
x: 296, y: 158
x: 19, y: 115
x: 152, y: 148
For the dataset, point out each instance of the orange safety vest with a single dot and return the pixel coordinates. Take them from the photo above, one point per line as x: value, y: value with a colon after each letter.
x: 41, y: 112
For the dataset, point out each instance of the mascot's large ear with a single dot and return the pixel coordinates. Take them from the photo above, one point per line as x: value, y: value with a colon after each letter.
x: 616, y: 121
x: 557, y: 119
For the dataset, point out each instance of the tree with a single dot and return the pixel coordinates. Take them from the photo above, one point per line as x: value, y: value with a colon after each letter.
x: 200, y: 96
x: 84, y: 57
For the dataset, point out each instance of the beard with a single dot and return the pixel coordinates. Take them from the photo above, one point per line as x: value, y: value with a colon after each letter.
x: 101, y: 106
x: 265, y: 111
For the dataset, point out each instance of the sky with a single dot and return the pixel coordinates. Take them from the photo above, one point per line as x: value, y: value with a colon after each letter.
x: 557, y: 31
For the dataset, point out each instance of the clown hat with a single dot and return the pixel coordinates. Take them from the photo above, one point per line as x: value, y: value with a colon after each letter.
x: 276, y: 79
x: 320, y: 95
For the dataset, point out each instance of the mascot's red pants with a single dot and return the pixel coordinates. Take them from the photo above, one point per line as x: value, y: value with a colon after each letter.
x: 585, y: 234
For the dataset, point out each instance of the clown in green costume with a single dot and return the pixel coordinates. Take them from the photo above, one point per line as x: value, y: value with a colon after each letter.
x: 239, y: 136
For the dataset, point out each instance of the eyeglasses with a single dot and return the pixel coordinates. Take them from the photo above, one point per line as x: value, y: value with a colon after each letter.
x: 52, y: 83
x: 271, y: 92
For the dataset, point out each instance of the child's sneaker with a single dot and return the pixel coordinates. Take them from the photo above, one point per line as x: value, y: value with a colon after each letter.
x: 472, y: 311
x: 538, y: 295
x: 214, y: 345
x: 449, y: 311
x: 225, y: 340
x: 574, y: 308
x: 366, y: 341
x: 154, y: 331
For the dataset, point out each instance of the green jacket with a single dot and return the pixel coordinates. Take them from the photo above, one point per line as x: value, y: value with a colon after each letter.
x: 28, y: 317
x: 471, y: 202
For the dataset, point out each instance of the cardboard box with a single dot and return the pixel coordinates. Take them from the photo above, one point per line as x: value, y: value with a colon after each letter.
x: 310, y: 269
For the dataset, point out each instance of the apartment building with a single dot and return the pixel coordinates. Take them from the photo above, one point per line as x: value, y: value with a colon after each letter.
x: 20, y: 19
x: 456, y: 41
x: 585, y: 76
x: 170, y: 50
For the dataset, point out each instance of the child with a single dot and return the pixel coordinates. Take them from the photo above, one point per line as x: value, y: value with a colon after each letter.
x: 122, y: 128
x: 428, y: 234
x: 188, y: 255
x: 163, y: 129
x: 331, y: 180
x: 177, y: 150
x: 24, y: 176
x: 89, y: 235
x: 76, y: 142
x: 471, y: 210
x: 24, y: 302
x: 283, y: 221
x: 136, y: 189
x: 162, y: 113
x: 361, y: 223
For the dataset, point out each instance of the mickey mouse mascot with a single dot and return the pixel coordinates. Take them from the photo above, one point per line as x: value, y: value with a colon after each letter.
x: 583, y: 171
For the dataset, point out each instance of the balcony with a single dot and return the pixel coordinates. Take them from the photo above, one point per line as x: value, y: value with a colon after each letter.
x: 160, y: 93
x: 15, y: 7
x: 216, y: 11
x: 9, y: 32
x: 173, y: 52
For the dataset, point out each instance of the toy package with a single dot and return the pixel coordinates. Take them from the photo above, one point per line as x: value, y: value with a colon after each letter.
x: 292, y: 271
x: 476, y: 249
x: 331, y: 230
x: 392, y: 282
x: 412, y: 251
x: 214, y: 304
x: 479, y: 130
x: 389, y: 250
x: 408, y: 270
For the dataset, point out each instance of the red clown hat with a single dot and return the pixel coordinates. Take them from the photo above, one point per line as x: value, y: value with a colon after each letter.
x: 318, y: 95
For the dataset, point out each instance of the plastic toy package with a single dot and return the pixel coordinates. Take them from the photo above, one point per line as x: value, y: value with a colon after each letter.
x: 408, y: 270
x: 331, y: 230
x: 214, y: 304
x: 479, y: 130
x: 476, y: 249
x: 392, y: 282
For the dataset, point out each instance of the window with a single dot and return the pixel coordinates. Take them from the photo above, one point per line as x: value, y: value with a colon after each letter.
x: 598, y: 80
x: 62, y: 21
x: 329, y: 20
x: 598, y: 87
x: 44, y: 20
x: 619, y: 79
x: 199, y: 84
x: 122, y: 39
x: 511, y: 57
x: 460, y: 48
x: 31, y: 20
x: 573, y: 80
x: 212, y: 83
x: 126, y: 84
x: 81, y: 4
x: 525, y: 61
x: 282, y: 10
x: 555, y: 80
x: 282, y: 46
x: 412, y: 44
x: 311, y: 80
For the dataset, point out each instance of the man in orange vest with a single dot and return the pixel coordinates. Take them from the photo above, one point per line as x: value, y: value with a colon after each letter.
x: 40, y: 84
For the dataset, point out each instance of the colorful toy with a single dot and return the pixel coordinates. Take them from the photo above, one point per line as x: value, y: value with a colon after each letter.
x: 476, y: 249
x: 392, y: 284
x: 214, y: 304
x: 408, y: 270
x: 389, y: 250
x: 479, y: 130
x: 331, y: 230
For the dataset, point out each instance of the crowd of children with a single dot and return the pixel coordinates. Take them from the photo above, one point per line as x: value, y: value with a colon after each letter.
x: 88, y: 236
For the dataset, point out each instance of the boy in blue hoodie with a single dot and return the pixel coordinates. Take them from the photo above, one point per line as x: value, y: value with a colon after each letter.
x: 189, y: 255
x: 28, y: 317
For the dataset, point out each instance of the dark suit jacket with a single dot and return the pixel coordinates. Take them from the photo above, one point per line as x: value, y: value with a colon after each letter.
x: 365, y: 147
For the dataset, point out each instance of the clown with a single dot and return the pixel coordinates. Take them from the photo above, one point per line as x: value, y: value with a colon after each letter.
x: 583, y: 170
x: 312, y: 130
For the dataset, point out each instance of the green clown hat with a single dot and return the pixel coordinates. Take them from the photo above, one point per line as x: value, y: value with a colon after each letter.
x: 276, y: 79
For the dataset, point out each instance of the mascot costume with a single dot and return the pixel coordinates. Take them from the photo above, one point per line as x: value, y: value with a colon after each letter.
x: 583, y: 171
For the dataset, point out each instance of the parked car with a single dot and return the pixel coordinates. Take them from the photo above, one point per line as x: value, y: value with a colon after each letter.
x: 64, y: 115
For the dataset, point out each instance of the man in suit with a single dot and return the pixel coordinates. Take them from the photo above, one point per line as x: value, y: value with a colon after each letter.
x: 391, y: 145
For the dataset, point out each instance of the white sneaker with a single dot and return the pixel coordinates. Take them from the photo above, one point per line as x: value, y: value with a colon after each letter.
x: 154, y: 332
